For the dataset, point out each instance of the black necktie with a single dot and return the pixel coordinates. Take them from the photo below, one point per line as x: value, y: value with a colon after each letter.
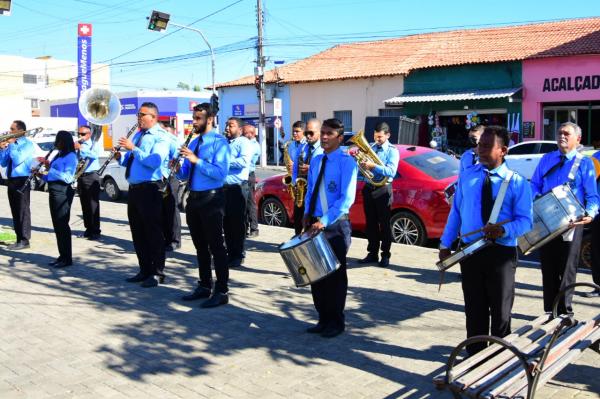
x: 563, y: 159
x: 309, y: 155
x: 315, y: 193
x: 130, y: 159
x: 200, y: 139
x: 378, y: 149
x: 487, y: 200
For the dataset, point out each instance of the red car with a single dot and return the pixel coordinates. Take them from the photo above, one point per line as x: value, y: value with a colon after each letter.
x: 419, y: 210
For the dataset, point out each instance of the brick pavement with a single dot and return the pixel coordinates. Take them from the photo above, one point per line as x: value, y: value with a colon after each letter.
x: 83, y: 332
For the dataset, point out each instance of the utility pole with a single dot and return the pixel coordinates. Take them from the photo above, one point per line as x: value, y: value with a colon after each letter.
x: 260, y: 86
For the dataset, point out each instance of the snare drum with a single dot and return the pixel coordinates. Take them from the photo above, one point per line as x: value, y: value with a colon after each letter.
x: 463, y: 253
x: 552, y: 215
x: 309, y: 258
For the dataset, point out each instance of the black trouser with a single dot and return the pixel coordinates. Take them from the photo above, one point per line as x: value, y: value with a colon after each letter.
x: 559, y: 268
x: 488, y: 283
x: 20, y: 208
x: 145, y: 214
x: 204, y: 212
x: 329, y: 294
x: 89, y: 196
x: 60, y: 197
x: 298, y: 218
x: 377, y: 202
x: 234, y: 225
x: 251, y: 211
x: 171, y: 217
x: 596, y: 250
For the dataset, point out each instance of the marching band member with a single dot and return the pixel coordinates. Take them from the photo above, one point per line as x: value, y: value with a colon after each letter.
x: 146, y: 153
x: 488, y: 276
x: 60, y: 178
x: 171, y: 216
x: 236, y: 192
x: 302, y: 159
x: 331, y: 192
x: 377, y: 201
x: 249, y: 131
x: 16, y: 156
x: 470, y: 157
x: 560, y: 256
x: 88, y: 183
x: 205, y: 167
x: 295, y: 147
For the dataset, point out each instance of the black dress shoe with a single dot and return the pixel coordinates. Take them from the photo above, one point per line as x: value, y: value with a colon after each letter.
x: 198, y: 293
x: 18, y: 246
x: 235, y: 263
x: 162, y: 279
x: 63, y: 263
x: 216, y: 299
x: 332, y: 331
x: 384, y: 262
x: 370, y: 258
x: 593, y: 294
x: 149, y: 282
x: 316, y: 329
x: 137, y: 278
x: 169, y: 248
x: 93, y: 237
x: 253, y: 233
x: 54, y: 262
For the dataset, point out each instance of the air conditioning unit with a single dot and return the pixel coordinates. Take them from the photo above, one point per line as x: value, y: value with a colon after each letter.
x: 270, y: 93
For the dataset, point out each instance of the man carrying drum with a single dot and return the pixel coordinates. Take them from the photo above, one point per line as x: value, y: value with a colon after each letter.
x: 488, y: 276
x: 560, y: 256
x: 331, y: 192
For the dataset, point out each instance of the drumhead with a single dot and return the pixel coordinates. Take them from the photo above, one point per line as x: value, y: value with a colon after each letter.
x: 297, y: 240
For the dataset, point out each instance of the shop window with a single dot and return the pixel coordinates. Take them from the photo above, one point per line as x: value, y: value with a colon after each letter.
x: 390, y: 112
x: 345, y: 117
x: 28, y: 78
x: 306, y: 116
x: 34, y: 103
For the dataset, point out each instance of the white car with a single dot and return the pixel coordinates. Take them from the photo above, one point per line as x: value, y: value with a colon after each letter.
x: 524, y: 157
x: 113, y: 180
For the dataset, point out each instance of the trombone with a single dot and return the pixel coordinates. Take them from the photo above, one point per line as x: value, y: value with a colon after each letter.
x: 21, y: 133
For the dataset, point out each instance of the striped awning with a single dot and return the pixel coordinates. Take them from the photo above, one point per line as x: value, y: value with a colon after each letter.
x: 456, y: 96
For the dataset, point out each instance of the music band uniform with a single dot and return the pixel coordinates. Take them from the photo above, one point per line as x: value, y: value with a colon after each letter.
x: 145, y: 202
x: 171, y: 216
x: 88, y: 186
x: 339, y: 186
x: 17, y: 158
x: 377, y: 202
x: 294, y: 149
x: 251, y: 210
x: 468, y: 159
x: 488, y: 276
x: 306, y: 151
x: 560, y: 257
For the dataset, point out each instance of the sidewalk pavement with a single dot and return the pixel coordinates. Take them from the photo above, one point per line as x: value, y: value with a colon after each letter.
x: 82, y: 332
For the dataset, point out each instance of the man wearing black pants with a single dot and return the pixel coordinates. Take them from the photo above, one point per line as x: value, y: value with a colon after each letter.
x: 88, y: 184
x: 171, y: 216
x: 310, y: 148
x: 249, y: 131
x: 16, y: 156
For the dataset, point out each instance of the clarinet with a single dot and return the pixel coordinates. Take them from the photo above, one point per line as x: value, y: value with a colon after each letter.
x: 176, y: 161
x: 35, y: 171
x: 113, y: 153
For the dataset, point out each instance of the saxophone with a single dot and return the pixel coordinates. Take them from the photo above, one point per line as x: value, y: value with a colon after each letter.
x: 287, y: 179
x: 301, y: 183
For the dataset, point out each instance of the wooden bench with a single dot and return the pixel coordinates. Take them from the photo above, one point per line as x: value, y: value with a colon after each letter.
x: 514, y: 366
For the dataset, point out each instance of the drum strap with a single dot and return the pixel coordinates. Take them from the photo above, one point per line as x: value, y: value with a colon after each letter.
x: 500, y: 198
x: 575, y: 166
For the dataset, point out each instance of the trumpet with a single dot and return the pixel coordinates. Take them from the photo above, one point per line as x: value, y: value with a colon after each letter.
x: 365, y: 153
x: 21, y: 133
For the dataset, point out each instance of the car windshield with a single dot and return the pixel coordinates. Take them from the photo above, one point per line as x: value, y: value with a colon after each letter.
x: 46, y: 146
x: 435, y: 164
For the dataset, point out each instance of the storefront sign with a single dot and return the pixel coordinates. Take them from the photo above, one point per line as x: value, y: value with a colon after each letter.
x: 84, y: 63
x: 572, y: 83
x: 237, y: 109
x: 528, y: 130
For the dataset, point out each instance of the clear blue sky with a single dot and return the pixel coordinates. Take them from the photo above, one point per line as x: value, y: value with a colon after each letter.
x: 294, y: 29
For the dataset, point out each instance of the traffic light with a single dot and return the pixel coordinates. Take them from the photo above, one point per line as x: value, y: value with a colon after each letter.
x: 5, y: 7
x: 158, y: 21
x: 214, y: 103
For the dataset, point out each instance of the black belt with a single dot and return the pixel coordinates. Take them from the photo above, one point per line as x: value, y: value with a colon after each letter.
x: 244, y: 183
x: 340, y: 219
x: 94, y: 172
x: 143, y: 184
x: 200, y: 194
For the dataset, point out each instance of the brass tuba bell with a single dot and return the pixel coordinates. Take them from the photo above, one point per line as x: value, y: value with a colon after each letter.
x: 366, y: 153
x: 99, y: 106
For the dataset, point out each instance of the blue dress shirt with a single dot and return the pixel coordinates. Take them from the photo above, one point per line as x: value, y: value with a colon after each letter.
x: 149, y: 154
x: 584, y: 186
x: 21, y: 154
x: 62, y: 168
x: 240, y: 155
x: 303, y: 152
x: 465, y: 215
x: 467, y: 160
x: 294, y: 148
x: 213, y: 163
x: 390, y: 157
x: 174, y: 145
x: 339, y: 182
x: 256, y: 154
x: 91, y: 151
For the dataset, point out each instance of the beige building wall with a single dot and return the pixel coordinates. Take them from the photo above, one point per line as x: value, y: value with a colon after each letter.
x: 364, y: 97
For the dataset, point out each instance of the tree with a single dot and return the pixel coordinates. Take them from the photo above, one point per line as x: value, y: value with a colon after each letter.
x: 183, y: 86
x: 197, y: 88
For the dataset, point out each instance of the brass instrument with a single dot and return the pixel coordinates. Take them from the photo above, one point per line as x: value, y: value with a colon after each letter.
x: 287, y: 179
x: 301, y: 184
x: 20, y: 133
x: 366, y: 153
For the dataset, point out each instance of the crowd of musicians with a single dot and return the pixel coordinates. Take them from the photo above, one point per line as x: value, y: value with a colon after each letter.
x: 221, y: 212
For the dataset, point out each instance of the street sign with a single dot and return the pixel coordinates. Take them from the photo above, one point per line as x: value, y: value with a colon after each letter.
x: 277, y: 123
x: 277, y: 107
x: 237, y: 109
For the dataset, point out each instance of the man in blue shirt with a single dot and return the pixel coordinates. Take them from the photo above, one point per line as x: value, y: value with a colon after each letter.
x: 560, y: 256
x: 88, y: 183
x: 16, y: 156
x: 205, y: 168
x: 249, y: 131
x: 331, y: 192
x: 488, y: 276
x: 171, y: 216
x: 146, y: 153
x: 377, y: 201
x: 297, y: 142
x: 236, y: 191
x: 470, y: 158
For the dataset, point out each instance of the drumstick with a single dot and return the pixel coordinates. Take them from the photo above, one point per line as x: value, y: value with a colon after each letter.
x: 481, y: 229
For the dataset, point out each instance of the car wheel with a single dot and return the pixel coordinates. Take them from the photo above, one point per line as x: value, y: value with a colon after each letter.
x: 111, y: 189
x: 273, y: 213
x: 407, y: 229
x: 585, y: 254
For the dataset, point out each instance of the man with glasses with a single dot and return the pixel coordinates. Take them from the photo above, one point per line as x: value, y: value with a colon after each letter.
x: 88, y: 183
x: 16, y: 156
x: 249, y: 131
x: 307, y: 152
x: 146, y: 153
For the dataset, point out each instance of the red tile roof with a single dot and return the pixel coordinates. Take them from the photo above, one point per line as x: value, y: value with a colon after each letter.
x: 471, y: 46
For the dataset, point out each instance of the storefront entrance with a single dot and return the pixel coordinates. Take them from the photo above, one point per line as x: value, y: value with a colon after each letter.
x: 587, y: 116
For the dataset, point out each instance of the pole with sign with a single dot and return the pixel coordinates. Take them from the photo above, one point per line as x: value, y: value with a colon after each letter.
x: 277, y: 125
x: 84, y: 64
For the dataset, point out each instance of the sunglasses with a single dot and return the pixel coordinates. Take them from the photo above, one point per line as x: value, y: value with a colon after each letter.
x: 81, y: 134
x: 141, y: 114
x: 309, y: 133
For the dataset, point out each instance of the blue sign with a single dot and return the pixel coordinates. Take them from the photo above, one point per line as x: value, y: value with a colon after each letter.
x: 237, y: 110
x: 84, y: 63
